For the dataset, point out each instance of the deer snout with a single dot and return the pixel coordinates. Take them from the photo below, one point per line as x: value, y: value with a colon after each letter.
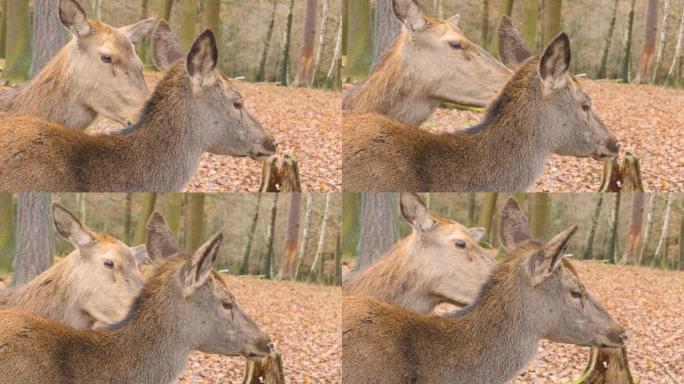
x: 615, y: 337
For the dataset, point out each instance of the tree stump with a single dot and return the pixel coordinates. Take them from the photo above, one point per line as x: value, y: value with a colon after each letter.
x: 622, y: 176
x: 283, y: 177
x: 270, y: 371
x: 606, y: 366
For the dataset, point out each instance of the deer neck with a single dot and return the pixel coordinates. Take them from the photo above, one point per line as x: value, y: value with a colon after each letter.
x: 54, y: 95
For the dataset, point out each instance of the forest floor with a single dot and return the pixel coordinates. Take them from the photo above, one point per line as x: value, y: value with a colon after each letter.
x: 647, y: 121
x: 305, y: 123
x: 302, y: 319
x: 649, y: 303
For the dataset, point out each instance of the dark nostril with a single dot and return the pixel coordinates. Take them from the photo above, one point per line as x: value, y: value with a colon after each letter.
x: 269, y: 145
x: 613, y: 145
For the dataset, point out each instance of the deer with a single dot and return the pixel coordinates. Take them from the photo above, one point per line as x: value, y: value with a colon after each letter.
x: 184, y: 306
x: 194, y: 109
x: 439, y: 262
x: 96, y: 74
x: 94, y: 284
x: 541, y: 110
x: 431, y: 61
x: 534, y: 294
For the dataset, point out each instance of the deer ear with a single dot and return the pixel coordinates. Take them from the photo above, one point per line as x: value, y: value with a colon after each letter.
x: 140, y: 254
x: 161, y: 243
x: 542, y: 264
x: 166, y: 48
x: 477, y: 233
x: 409, y: 13
x: 74, y: 18
x: 454, y: 20
x: 514, y: 227
x: 138, y: 31
x: 555, y: 62
x: 199, y: 266
x: 415, y: 212
x: 70, y: 228
x: 512, y: 49
x: 202, y: 59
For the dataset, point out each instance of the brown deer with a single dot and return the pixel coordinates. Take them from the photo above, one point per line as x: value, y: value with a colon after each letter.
x: 534, y: 294
x: 193, y: 110
x: 431, y: 61
x: 96, y: 283
x: 541, y: 110
x: 185, y: 306
x: 439, y: 262
x: 98, y: 73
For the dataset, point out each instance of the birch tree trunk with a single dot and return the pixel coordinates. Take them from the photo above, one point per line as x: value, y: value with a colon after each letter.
x: 321, y: 42
x: 149, y: 199
x: 650, y: 30
x: 244, y: 267
x: 321, y: 237
x: 261, y: 70
x: 663, y: 39
x: 612, y: 250
x: 34, y: 236
x: 601, y: 73
x: 674, y: 73
x: 658, y: 255
x: 626, y: 65
x: 305, y: 234
x: 267, y: 266
x: 649, y: 226
x: 635, y: 228
x: 588, y: 250
x: 332, y: 79
x: 284, y: 67
x: 287, y: 265
x: 47, y: 34
x: 387, y: 27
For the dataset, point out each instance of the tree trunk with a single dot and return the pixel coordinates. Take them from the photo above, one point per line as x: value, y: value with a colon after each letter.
x: 387, y: 27
x: 47, y: 34
x: 194, y: 221
x: 18, y: 45
x: 244, y: 267
x: 507, y: 7
x: 267, y: 266
x: 635, y: 228
x: 539, y: 206
x: 649, y: 227
x: 351, y: 207
x: 588, y: 250
x: 471, y: 209
x: 663, y: 39
x: 284, y: 69
x: 321, y: 42
x: 3, y: 28
x: 212, y: 18
x: 321, y: 237
x: 485, y: 23
x: 287, y: 265
x: 142, y: 46
x: 530, y: 22
x: 338, y: 261
x: 188, y: 23
x: 377, y: 227
x: 646, y: 59
x: 675, y: 71
x: 261, y: 71
x: 172, y: 211
x: 611, y: 252
x: 305, y: 63
x: 606, y: 366
x: 360, y: 49
x: 305, y: 234
x: 128, y: 221
x: 34, y: 236
x: 269, y: 371
x: 6, y: 220
x: 601, y: 73
x: 487, y: 215
x: 333, y: 79
x: 149, y: 200
x: 661, y: 248
x: 626, y: 67
x: 552, y: 20
x: 166, y: 6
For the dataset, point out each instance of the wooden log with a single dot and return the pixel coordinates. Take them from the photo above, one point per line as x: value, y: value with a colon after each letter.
x: 606, y: 366
x: 283, y: 177
x: 611, y: 176
x: 622, y: 176
x: 269, y: 371
x: 269, y: 175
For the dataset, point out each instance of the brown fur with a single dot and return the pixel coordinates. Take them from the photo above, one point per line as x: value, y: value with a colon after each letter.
x: 160, y: 153
x: 173, y: 315
x: 531, y: 118
x: 420, y: 70
x: 76, y: 87
x: 527, y: 298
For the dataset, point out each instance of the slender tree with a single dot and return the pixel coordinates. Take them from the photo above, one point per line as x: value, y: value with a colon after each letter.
x: 552, y: 19
x: 188, y: 23
x: 18, y: 44
x: 321, y: 237
x: 321, y: 42
x: 212, y: 17
x: 377, y: 227
x: 267, y: 265
x: 646, y: 59
x: 665, y: 25
x: 601, y: 73
x: 635, y: 229
x: 261, y: 70
x: 360, y: 44
x: 166, y: 6
x: 284, y: 67
x: 287, y: 266
x: 149, y: 200
x: 305, y: 63
x: 194, y: 221
x: 128, y: 221
x: 172, y: 211
x: 34, y: 236
x: 6, y: 219
x: 507, y: 7
x: 487, y: 215
x: 539, y: 214
x: 47, y: 33
x: 649, y: 227
x: 332, y: 79
x: 3, y: 27
x: 675, y: 71
x: 244, y: 267
x: 484, y: 32
x: 588, y: 249
x: 530, y: 22
x: 660, y: 249
x: 611, y: 252
x: 626, y: 66
x: 387, y: 27
x: 305, y: 233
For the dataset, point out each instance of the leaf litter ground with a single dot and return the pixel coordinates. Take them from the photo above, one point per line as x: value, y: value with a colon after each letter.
x: 647, y: 120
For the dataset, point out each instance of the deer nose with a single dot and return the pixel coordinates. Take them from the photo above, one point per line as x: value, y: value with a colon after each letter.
x: 269, y: 144
x: 613, y: 145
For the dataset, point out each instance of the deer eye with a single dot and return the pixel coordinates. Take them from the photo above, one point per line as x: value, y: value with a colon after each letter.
x: 108, y: 264
x: 106, y: 59
x: 586, y: 107
x: 460, y: 243
x: 237, y: 104
x: 455, y: 44
x: 576, y: 294
x: 227, y: 305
